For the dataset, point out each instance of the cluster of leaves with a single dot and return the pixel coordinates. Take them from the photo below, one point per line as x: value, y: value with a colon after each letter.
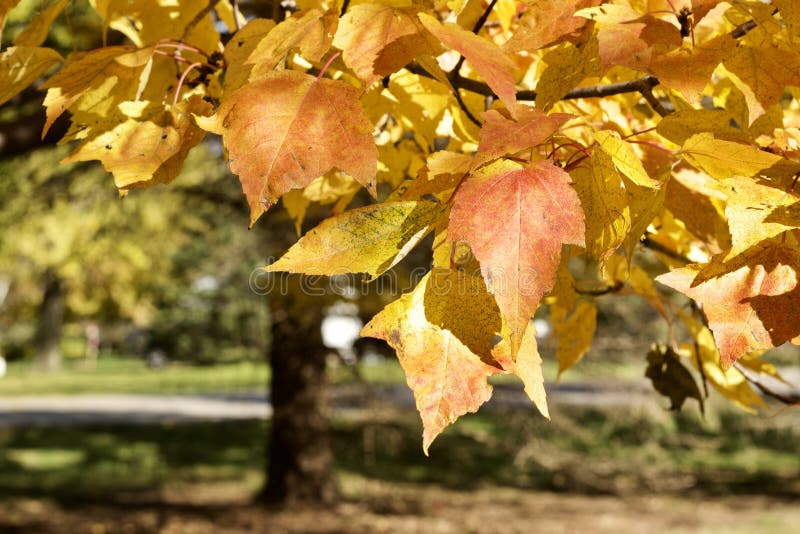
x: 573, y: 129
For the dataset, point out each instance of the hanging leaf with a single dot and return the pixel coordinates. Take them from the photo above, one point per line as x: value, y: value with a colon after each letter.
x: 288, y: 128
x: 516, y: 219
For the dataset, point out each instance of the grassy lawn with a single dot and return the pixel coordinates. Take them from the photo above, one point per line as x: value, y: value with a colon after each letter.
x: 584, y: 450
x: 131, y: 375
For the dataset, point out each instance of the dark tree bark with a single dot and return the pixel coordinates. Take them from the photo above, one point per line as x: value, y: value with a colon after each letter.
x: 51, y: 320
x: 299, y: 458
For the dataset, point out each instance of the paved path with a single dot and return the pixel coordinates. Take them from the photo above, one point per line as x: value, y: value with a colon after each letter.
x: 133, y: 409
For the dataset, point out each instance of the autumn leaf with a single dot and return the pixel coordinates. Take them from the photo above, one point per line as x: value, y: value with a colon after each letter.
x: 567, y: 66
x: 624, y: 158
x: 333, y: 188
x: 20, y: 66
x: 484, y: 56
x: 757, y: 211
x: 288, y: 128
x: 694, y: 198
x: 36, y: 32
x: 310, y: 33
x: 605, y: 204
x: 548, y: 22
x: 149, y: 150
x: 97, y: 72
x: 447, y: 379
x: 368, y: 240
x: 722, y: 159
x: 380, y: 39
x: 5, y: 7
x: 731, y: 383
x: 681, y: 125
x: 239, y: 49
x: 671, y: 378
x: 768, y: 70
x: 574, y: 331
x: 515, y: 219
x: 501, y: 135
x: 148, y: 21
x: 689, y: 70
x: 751, y: 302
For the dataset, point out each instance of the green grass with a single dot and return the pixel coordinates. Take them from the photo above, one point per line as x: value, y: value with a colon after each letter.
x: 131, y: 375
x: 619, y: 451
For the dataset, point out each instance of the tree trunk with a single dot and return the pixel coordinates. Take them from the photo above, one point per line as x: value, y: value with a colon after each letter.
x: 299, y: 461
x: 51, y: 320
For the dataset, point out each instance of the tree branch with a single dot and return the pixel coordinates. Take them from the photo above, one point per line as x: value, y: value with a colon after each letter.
x: 792, y: 398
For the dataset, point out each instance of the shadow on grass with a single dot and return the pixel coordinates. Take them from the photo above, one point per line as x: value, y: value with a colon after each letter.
x: 582, y: 450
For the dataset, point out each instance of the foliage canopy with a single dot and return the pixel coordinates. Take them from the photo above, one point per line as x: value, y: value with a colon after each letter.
x: 526, y: 136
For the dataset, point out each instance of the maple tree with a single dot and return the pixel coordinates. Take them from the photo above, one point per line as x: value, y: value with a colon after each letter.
x: 525, y: 136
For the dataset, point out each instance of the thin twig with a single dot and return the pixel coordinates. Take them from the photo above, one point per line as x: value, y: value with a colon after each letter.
x: 699, y: 312
x: 345, y: 5
x: 792, y: 399
x: 481, y: 21
x: 197, y: 18
x: 742, y: 29
x: 655, y: 246
x: 614, y: 288
x: 465, y: 109
x: 236, y: 13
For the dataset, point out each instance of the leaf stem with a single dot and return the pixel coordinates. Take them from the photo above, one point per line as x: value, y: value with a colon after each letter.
x: 328, y: 64
x: 183, y: 79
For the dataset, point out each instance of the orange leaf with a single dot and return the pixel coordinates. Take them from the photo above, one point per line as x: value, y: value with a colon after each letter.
x: 378, y: 40
x: 751, y: 302
x: 516, y: 219
x: 689, y: 71
x: 501, y: 135
x: 447, y: 379
x: 286, y: 129
x: 548, y: 22
x: 493, y: 65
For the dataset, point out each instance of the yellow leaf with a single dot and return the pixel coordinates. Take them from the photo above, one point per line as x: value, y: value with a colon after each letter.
x: 605, y: 203
x: 102, y: 72
x: 693, y: 199
x: 447, y: 379
x: 368, y: 240
x: 619, y: 269
x: 419, y: 104
x: 149, y: 150
x: 730, y: 383
x: 790, y: 14
x: 311, y: 33
x: 36, y: 32
x: 625, y: 158
x: 722, y: 159
x: 5, y: 7
x: 681, y: 125
x: 567, y: 66
x: 574, y: 330
x: 148, y: 21
x: 239, y: 48
x: 768, y: 70
x: 20, y: 66
x: 332, y: 187
x: 756, y: 212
